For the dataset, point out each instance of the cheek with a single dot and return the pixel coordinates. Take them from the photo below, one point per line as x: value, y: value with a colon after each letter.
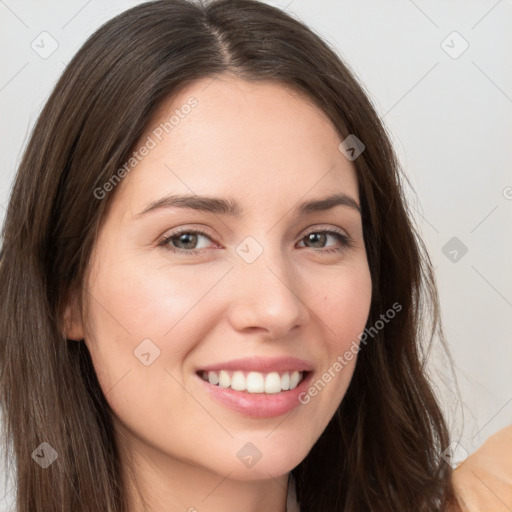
x: 141, y: 324
x: 140, y: 314
x: 135, y: 302
x: 342, y: 307
x: 343, y: 304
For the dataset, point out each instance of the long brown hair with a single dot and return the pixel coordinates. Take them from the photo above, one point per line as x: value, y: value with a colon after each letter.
x: 381, y: 450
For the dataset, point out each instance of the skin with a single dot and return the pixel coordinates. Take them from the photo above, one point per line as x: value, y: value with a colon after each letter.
x: 268, y: 148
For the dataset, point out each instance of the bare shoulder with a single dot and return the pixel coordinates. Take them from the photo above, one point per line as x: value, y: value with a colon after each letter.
x: 483, y: 482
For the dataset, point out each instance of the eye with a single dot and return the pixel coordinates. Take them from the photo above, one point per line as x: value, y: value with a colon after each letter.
x: 320, y: 238
x: 186, y: 241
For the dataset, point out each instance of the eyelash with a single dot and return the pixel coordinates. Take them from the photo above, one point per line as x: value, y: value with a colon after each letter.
x: 345, y: 240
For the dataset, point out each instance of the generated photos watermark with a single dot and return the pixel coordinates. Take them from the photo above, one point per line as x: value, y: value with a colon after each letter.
x: 151, y: 142
x: 343, y: 360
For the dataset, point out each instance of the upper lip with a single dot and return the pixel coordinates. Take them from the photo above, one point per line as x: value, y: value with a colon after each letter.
x: 261, y: 364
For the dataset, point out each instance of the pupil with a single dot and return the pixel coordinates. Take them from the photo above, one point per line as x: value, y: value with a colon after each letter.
x: 318, y: 236
x: 191, y: 239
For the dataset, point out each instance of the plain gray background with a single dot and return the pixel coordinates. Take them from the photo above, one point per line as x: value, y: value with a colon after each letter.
x: 439, y: 74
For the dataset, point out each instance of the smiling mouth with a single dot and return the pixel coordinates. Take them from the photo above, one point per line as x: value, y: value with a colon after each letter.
x: 254, y: 382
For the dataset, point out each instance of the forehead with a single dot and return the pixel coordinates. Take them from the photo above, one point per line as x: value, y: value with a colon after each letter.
x: 258, y: 141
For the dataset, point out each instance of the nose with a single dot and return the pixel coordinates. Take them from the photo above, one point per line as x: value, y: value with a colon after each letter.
x: 266, y: 297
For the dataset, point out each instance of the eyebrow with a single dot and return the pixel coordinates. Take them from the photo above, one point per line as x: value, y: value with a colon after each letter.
x: 233, y: 209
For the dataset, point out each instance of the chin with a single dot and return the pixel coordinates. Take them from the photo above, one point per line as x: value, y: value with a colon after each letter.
x: 262, y: 458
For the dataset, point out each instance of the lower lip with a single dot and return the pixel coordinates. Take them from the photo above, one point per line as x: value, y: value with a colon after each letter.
x: 258, y: 405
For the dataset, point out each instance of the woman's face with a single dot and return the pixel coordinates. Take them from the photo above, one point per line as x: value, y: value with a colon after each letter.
x: 248, y: 289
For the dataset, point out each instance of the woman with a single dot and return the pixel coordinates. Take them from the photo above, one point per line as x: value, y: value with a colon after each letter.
x: 169, y: 338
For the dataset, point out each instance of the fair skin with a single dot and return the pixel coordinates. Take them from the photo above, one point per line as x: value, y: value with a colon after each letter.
x: 268, y: 149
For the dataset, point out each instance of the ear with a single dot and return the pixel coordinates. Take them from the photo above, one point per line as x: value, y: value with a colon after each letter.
x: 72, y: 318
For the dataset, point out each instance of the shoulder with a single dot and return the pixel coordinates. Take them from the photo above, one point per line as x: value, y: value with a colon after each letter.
x: 483, y: 481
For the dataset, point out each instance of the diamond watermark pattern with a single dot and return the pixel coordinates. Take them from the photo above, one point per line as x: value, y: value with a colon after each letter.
x: 249, y: 249
x: 249, y: 455
x: 44, y: 45
x: 45, y: 455
x: 454, y: 249
x: 146, y: 352
x: 454, y: 454
x: 454, y: 45
x: 351, y: 147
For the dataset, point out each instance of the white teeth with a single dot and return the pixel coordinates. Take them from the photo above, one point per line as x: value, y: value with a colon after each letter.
x: 238, y: 381
x: 285, y: 381
x: 272, y: 383
x: 224, y: 379
x: 254, y: 382
x: 294, y: 379
x: 213, y: 378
